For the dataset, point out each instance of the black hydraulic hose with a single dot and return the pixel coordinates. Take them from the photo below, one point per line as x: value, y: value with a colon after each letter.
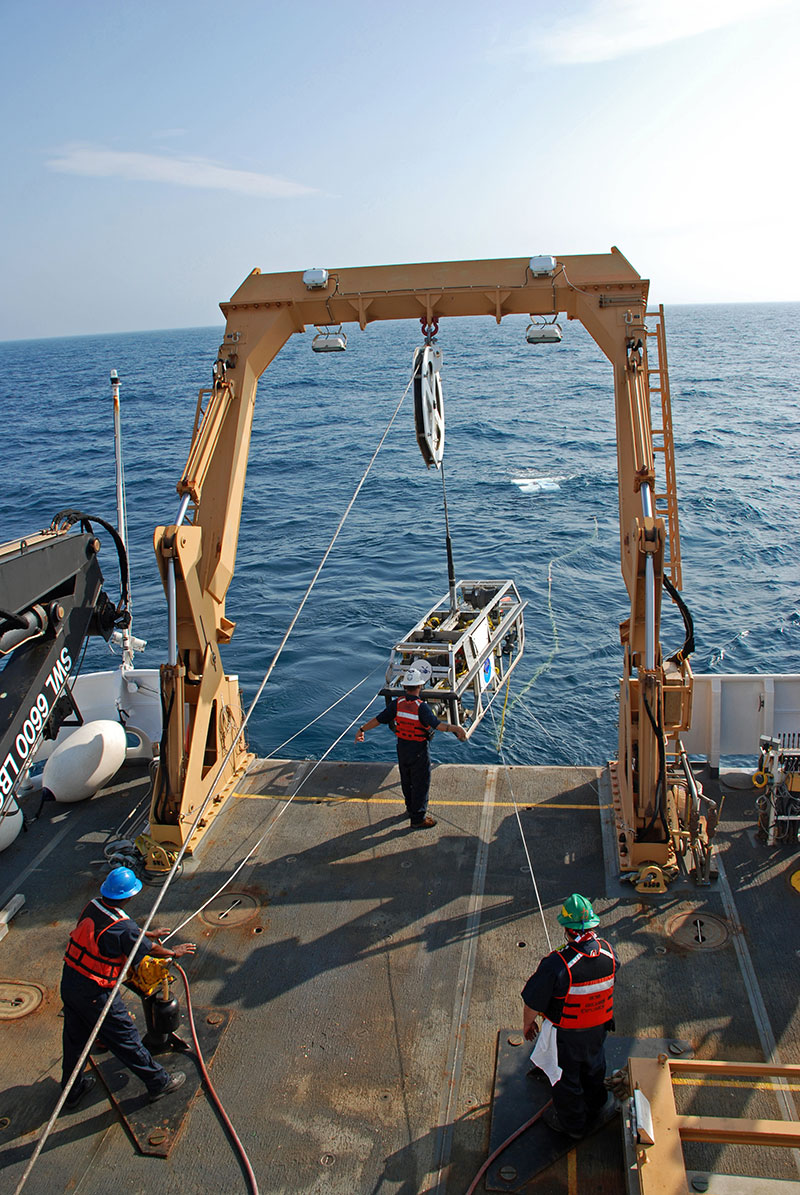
x: 688, y: 643
x: 69, y: 517
x: 166, y: 714
x: 27, y: 818
x: 252, y: 1185
x: 662, y: 773
x: 492, y: 1157
x: 13, y: 620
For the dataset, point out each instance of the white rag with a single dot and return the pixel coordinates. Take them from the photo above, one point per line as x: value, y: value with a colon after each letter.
x: 545, y: 1052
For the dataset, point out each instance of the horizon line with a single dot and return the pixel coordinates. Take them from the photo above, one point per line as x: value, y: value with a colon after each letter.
x: 221, y: 326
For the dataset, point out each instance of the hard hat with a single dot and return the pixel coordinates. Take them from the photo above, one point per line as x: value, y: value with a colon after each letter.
x: 120, y: 883
x: 419, y: 673
x: 577, y: 913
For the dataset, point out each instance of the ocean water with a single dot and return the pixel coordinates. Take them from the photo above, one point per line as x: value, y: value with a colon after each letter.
x: 532, y: 493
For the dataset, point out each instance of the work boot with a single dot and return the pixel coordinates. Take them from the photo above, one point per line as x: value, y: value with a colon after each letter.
x: 551, y: 1119
x: 604, y: 1113
x: 536, y: 1072
x: 80, y: 1089
x: 175, y: 1081
x: 425, y: 824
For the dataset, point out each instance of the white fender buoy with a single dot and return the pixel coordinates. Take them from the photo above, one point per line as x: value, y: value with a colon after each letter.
x: 10, y: 823
x: 86, y: 761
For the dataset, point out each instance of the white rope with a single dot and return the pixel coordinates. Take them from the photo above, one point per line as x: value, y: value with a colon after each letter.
x: 133, y: 833
x: 273, y: 823
x: 333, y: 705
x: 79, y: 1065
x: 528, y: 713
x: 307, y: 593
x: 524, y: 843
x: 546, y: 664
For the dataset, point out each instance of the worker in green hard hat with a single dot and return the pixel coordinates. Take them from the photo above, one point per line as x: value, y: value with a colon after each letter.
x: 572, y: 992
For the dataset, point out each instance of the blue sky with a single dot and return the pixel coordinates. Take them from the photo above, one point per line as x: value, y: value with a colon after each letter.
x: 156, y: 153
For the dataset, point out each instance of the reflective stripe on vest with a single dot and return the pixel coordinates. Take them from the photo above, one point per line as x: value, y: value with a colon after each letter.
x: 589, y: 1001
x: 407, y: 724
x: 83, y: 950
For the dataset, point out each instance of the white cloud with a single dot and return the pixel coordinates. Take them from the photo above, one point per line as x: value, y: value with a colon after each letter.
x: 96, y: 162
x: 607, y: 29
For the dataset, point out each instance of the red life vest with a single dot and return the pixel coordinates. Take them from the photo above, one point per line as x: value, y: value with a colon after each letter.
x: 589, y: 1001
x: 84, y: 951
x: 407, y: 724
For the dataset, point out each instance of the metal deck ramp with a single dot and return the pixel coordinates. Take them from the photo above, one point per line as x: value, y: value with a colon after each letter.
x: 367, y: 977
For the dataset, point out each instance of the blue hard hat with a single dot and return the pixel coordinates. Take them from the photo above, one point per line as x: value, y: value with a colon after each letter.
x: 120, y: 883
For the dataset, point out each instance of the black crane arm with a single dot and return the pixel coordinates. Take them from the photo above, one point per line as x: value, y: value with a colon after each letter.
x: 51, y: 599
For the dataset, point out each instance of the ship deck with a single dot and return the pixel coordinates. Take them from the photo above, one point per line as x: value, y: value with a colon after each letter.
x: 367, y: 973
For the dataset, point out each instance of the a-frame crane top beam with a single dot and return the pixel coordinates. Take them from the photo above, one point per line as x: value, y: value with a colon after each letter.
x: 440, y: 289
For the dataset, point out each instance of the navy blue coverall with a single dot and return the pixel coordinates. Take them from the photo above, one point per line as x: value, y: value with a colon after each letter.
x: 413, y: 761
x: 84, y: 1000
x: 580, y: 1092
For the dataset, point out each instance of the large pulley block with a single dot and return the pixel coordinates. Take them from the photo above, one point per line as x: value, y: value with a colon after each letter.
x: 429, y: 404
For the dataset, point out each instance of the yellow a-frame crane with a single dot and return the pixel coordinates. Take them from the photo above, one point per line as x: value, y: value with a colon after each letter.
x: 660, y: 810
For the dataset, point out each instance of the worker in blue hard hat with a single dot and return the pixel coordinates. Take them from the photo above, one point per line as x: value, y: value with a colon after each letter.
x: 572, y: 991
x: 96, y: 953
x: 414, y: 723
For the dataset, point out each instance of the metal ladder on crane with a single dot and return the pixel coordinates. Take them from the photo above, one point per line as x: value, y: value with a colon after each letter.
x: 678, y: 682
x: 666, y: 500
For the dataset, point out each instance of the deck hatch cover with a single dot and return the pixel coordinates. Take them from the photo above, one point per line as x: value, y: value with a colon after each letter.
x: 698, y: 930
x: 18, y: 999
x: 229, y: 910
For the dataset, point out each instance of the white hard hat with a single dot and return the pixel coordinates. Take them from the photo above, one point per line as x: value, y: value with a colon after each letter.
x: 419, y: 673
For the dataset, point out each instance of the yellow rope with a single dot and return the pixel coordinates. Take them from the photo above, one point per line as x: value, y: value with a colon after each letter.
x: 503, y: 715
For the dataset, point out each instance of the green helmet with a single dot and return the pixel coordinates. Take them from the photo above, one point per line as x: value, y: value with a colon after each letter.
x: 577, y: 913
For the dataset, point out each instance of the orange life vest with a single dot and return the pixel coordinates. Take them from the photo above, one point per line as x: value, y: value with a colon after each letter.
x: 83, y: 949
x: 589, y: 1001
x: 407, y: 724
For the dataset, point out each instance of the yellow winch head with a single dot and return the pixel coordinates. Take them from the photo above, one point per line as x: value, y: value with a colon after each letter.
x: 150, y: 975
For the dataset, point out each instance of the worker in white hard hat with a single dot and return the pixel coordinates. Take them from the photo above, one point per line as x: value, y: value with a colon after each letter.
x: 414, y: 723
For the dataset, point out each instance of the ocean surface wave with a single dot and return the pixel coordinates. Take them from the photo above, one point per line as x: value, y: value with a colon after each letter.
x: 531, y: 486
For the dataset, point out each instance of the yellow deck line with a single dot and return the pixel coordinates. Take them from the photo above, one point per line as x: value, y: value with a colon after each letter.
x: 740, y: 1083
x: 398, y: 801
